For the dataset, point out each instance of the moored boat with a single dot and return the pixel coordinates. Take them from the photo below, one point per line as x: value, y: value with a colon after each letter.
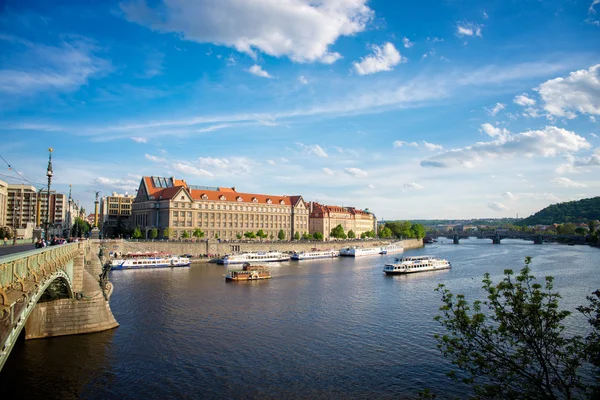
x: 393, y: 248
x: 149, y: 260
x: 409, y: 265
x: 248, y: 272
x: 363, y: 251
x: 263, y: 256
x: 314, y: 254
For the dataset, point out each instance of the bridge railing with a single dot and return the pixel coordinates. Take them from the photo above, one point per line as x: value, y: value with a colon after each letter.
x: 20, y: 270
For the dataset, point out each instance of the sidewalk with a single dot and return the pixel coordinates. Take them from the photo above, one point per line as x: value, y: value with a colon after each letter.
x: 10, y: 248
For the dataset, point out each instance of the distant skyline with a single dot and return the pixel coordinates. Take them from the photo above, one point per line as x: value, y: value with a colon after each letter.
x: 416, y: 110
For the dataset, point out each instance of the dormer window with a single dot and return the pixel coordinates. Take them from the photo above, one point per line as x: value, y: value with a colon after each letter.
x: 254, y: 200
x: 221, y: 197
x: 281, y: 202
x: 204, y: 197
x: 182, y: 197
x: 269, y: 201
x: 239, y: 198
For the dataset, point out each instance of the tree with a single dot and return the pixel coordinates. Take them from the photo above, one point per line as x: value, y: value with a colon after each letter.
x: 137, y: 233
x: 418, y: 231
x: 167, y: 233
x: 351, y: 234
x: 198, y: 233
x: 185, y: 235
x: 271, y: 236
x: 238, y: 236
x: 363, y: 235
x: 318, y: 236
x: 370, y: 233
x: 338, y: 232
x: 386, y: 233
x: 5, y: 233
x: 153, y: 234
x: 250, y: 235
x: 80, y: 227
x: 261, y: 234
x: 566, y: 229
x: 307, y: 236
x: 512, y: 345
x: 216, y: 235
x: 281, y: 235
x: 297, y: 236
x: 592, y: 224
x: 581, y: 231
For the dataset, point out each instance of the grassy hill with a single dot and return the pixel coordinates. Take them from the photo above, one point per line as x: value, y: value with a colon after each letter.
x: 572, y: 211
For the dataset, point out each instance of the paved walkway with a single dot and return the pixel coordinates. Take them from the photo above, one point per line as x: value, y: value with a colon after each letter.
x: 10, y: 248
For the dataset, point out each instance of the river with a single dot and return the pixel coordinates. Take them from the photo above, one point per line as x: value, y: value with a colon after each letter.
x: 322, y: 329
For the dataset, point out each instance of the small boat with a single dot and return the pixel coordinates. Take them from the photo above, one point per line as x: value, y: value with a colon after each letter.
x: 149, y: 260
x: 392, y: 249
x: 314, y: 254
x: 262, y: 256
x: 362, y: 251
x: 248, y: 272
x: 409, y: 265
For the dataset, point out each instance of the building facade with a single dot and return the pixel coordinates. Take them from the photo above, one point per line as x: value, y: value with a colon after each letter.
x: 114, y: 214
x: 27, y: 208
x: 324, y: 218
x: 3, y: 202
x: 222, y: 213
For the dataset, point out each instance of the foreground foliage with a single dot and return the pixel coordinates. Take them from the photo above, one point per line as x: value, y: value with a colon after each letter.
x: 513, y: 345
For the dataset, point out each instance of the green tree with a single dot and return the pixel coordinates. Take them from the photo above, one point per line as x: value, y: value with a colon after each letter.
x: 238, y: 236
x: 153, y: 234
x: 386, y: 233
x: 351, y: 234
x: 370, y: 233
x: 338, y: 232
x: 566, y: 229
x: 418, y: 231
x: 80, y: 227
x: 307, y: 236
x: 592, y: 224
x: 297, y: 236
x: 281, y: 235
x: 580, y: 230
x: 250, y: 235
x: 198, y: 233
x: 185, y: 235
x: 167, y: 233
x: 318, y: 236
x: 216, y: 235
x: 137, y: 233
x: 5, y: 233
x: 261, y: 234
x: 271, y: 236
x: 512, y: 345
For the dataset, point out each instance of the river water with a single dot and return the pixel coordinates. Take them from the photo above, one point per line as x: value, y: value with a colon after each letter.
x: 322, y: 329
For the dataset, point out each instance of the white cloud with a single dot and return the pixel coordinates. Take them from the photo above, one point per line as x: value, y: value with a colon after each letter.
x: 432, y: 146
x: 313, y: 149
x: 328, y: 171
x: 300, y: 30
x: 407, y: 43
x: 509, y: 195
x: 494, y: 131
x: 117, y: 184
x: 485, y: 16
x: 39, y: 68
x: 568, y: 183
x: 468, y: 29
x: 524, y: 100
x: 302, y: 79
x: 138, y: 139
x: 591, y: 10
x: 592, y: 119
x: 271, y: 162
x: 356, y: 172
x: 594, y: 135
x: 549, y: 142
x: 383, y: 59
x: 412, y: 185
x: 154, y: 158
x: 191, y: 170
x: 258, y: 71
x: 214, y: 162
x: 496, y: 206
x: 400, y: 143
x: 577, y: 93
x: 371, y: 186
x: 496, y: 109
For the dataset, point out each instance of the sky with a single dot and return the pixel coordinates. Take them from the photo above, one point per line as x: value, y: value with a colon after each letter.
x: 416, y: 110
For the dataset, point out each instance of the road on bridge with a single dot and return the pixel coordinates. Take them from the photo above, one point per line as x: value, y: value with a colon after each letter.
x: 11, y: 249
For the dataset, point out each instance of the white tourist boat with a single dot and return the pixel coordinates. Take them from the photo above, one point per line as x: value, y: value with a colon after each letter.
x: 314, y: 254
x: 409, y: 265
x: 393, y: 248
x: 360, y: 251
x: 149, y: 260
x: 266, y: 256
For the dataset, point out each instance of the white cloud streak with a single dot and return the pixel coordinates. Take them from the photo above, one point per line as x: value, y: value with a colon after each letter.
x: 258, y: 71
x: 384, y: 58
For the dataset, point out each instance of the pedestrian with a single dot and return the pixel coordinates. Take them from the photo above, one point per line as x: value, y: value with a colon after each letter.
x: 5, y: 240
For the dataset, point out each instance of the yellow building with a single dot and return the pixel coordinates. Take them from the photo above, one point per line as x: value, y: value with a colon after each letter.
x: 3, y: 202
x: 115, y: 211
x: 219, y: 212
x: 324, y: 218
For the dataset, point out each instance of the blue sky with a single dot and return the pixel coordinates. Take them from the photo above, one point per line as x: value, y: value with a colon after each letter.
x: 429, y: 109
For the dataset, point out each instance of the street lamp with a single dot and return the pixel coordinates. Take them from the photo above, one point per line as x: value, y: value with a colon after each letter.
x: 49, y: 174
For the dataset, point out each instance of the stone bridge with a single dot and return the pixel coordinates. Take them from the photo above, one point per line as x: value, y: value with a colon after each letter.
x: 497, y: 236
x: 55, y: 291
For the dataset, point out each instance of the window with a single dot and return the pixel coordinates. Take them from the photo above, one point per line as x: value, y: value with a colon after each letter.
x: 254, y: 200
x: 239, y: 198
x: 222, y: 197
x: 204, y: 197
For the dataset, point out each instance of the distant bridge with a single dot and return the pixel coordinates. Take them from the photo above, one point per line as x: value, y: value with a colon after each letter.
x: 52, y: 292
x: 498, y: 236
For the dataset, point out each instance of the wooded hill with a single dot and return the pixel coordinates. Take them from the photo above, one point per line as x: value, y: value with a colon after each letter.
x: 582, y: 210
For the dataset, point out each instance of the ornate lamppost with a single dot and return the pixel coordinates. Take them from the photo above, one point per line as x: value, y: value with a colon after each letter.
x: 49, y: 174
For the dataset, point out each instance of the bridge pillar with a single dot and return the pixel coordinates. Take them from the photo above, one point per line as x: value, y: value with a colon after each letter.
x: 455, y: 239
x: 78, y: 268
x: 539, y: 239
x: 496, y: 239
